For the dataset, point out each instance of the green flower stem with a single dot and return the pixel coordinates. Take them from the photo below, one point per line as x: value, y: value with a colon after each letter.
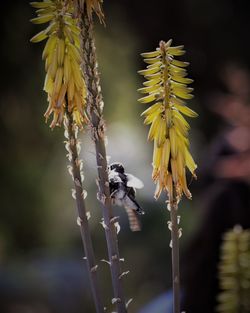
x: 173, y: 207
x: 95, y: 105
x: 81, y: 208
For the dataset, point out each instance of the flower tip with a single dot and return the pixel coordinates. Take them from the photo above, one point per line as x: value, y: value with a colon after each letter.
x: 168, y: 43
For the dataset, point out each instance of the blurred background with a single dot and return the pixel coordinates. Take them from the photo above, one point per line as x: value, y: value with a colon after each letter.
x: 41, y: 257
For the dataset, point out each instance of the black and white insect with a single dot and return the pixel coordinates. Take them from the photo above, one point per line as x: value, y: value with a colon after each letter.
x: 122, y: 190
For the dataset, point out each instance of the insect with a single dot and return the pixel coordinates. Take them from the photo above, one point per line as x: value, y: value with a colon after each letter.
x: 122, y: 190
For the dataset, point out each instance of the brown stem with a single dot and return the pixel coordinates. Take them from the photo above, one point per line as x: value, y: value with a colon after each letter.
x: 173, y: 207
x: 70, y: 133
x: 95, y: 106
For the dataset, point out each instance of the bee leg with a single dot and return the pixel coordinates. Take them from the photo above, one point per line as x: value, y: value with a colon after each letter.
x: 113, y: 193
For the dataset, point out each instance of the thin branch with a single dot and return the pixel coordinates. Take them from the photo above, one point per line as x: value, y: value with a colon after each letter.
x: 71, y: 136
x: 95, y: 106
x: 173, y: 207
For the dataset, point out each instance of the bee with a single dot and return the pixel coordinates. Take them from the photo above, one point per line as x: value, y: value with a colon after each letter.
x: 122, y: 190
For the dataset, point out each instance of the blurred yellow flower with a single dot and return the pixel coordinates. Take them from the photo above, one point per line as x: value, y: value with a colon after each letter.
x: 166, y: 86
x: 64, y: 81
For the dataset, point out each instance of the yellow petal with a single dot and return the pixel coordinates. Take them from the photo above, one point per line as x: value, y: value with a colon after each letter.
x: 60, y: 51
x: 71, y: 89
x: 191, y: 165
x: 67, y: 69
x: 178, y: 125
x: 161, y: 132
x: 154, y: 76
x: 152, y: 82
x: 58, y: 80
x: 183, y: 80
x: 50, y: 46
x: 173, y: 142
x: 179, y: 63
x: 61, y: 96
x: 39, y: 37
x: 149, y: 71
x: 42, y: 19
x: 151, y: 54
x: 174, y: 170
x: 53, y: 66
x: 154, y: 127
x: 169, y: 117
x: 183, y: 93
x: 180, y: 163
x: 165, y: 154
x: 74, y: 53
x: 176, y: 51
x: 40, y: 5
x: 147, y: 99
x: 155, y: 65
x: 157, y: 155
x: 187, y: 111
x: 180, y: 117
x: 153, y: 108
x: 154, y: 88
x: 168, y: 43
x: 176, y: 101
x: 151, y: 60
x: 48, y: 84
x: 184, y: 185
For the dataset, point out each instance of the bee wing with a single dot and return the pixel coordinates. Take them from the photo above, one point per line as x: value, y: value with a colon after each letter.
x: 134, y: 181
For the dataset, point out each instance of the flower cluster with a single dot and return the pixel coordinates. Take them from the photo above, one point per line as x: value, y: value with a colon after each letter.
x: 64, y: 82
x: 166, y: 87
x: 234, y: 271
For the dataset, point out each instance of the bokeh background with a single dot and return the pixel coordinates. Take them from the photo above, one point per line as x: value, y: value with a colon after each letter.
x: 41, y: 258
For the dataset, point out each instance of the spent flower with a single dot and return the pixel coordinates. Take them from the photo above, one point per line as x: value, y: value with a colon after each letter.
x: 92, y: 6
x: 166, y: 87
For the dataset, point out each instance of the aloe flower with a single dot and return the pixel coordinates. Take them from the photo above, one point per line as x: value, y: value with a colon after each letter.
x: 166, y: 87
x: 234, y: 272
x: 64, y: 81
x: 67, y: 93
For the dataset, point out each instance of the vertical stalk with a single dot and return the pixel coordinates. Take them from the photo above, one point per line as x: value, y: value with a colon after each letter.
x: 95, y: 108
x: 173, y: 206
x: 71, y: 136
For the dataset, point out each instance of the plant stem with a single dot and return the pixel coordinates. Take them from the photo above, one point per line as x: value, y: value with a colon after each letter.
x: 173, y: 206
x: 95, y: 108
x: 71, y: 136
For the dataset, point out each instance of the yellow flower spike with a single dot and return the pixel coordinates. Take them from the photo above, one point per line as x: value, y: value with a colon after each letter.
x: 166, y: 90
x: 64, y: 81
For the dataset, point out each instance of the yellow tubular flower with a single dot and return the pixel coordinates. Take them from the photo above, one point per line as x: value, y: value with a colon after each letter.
x: 64, y: 81
x: 166, y: 87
